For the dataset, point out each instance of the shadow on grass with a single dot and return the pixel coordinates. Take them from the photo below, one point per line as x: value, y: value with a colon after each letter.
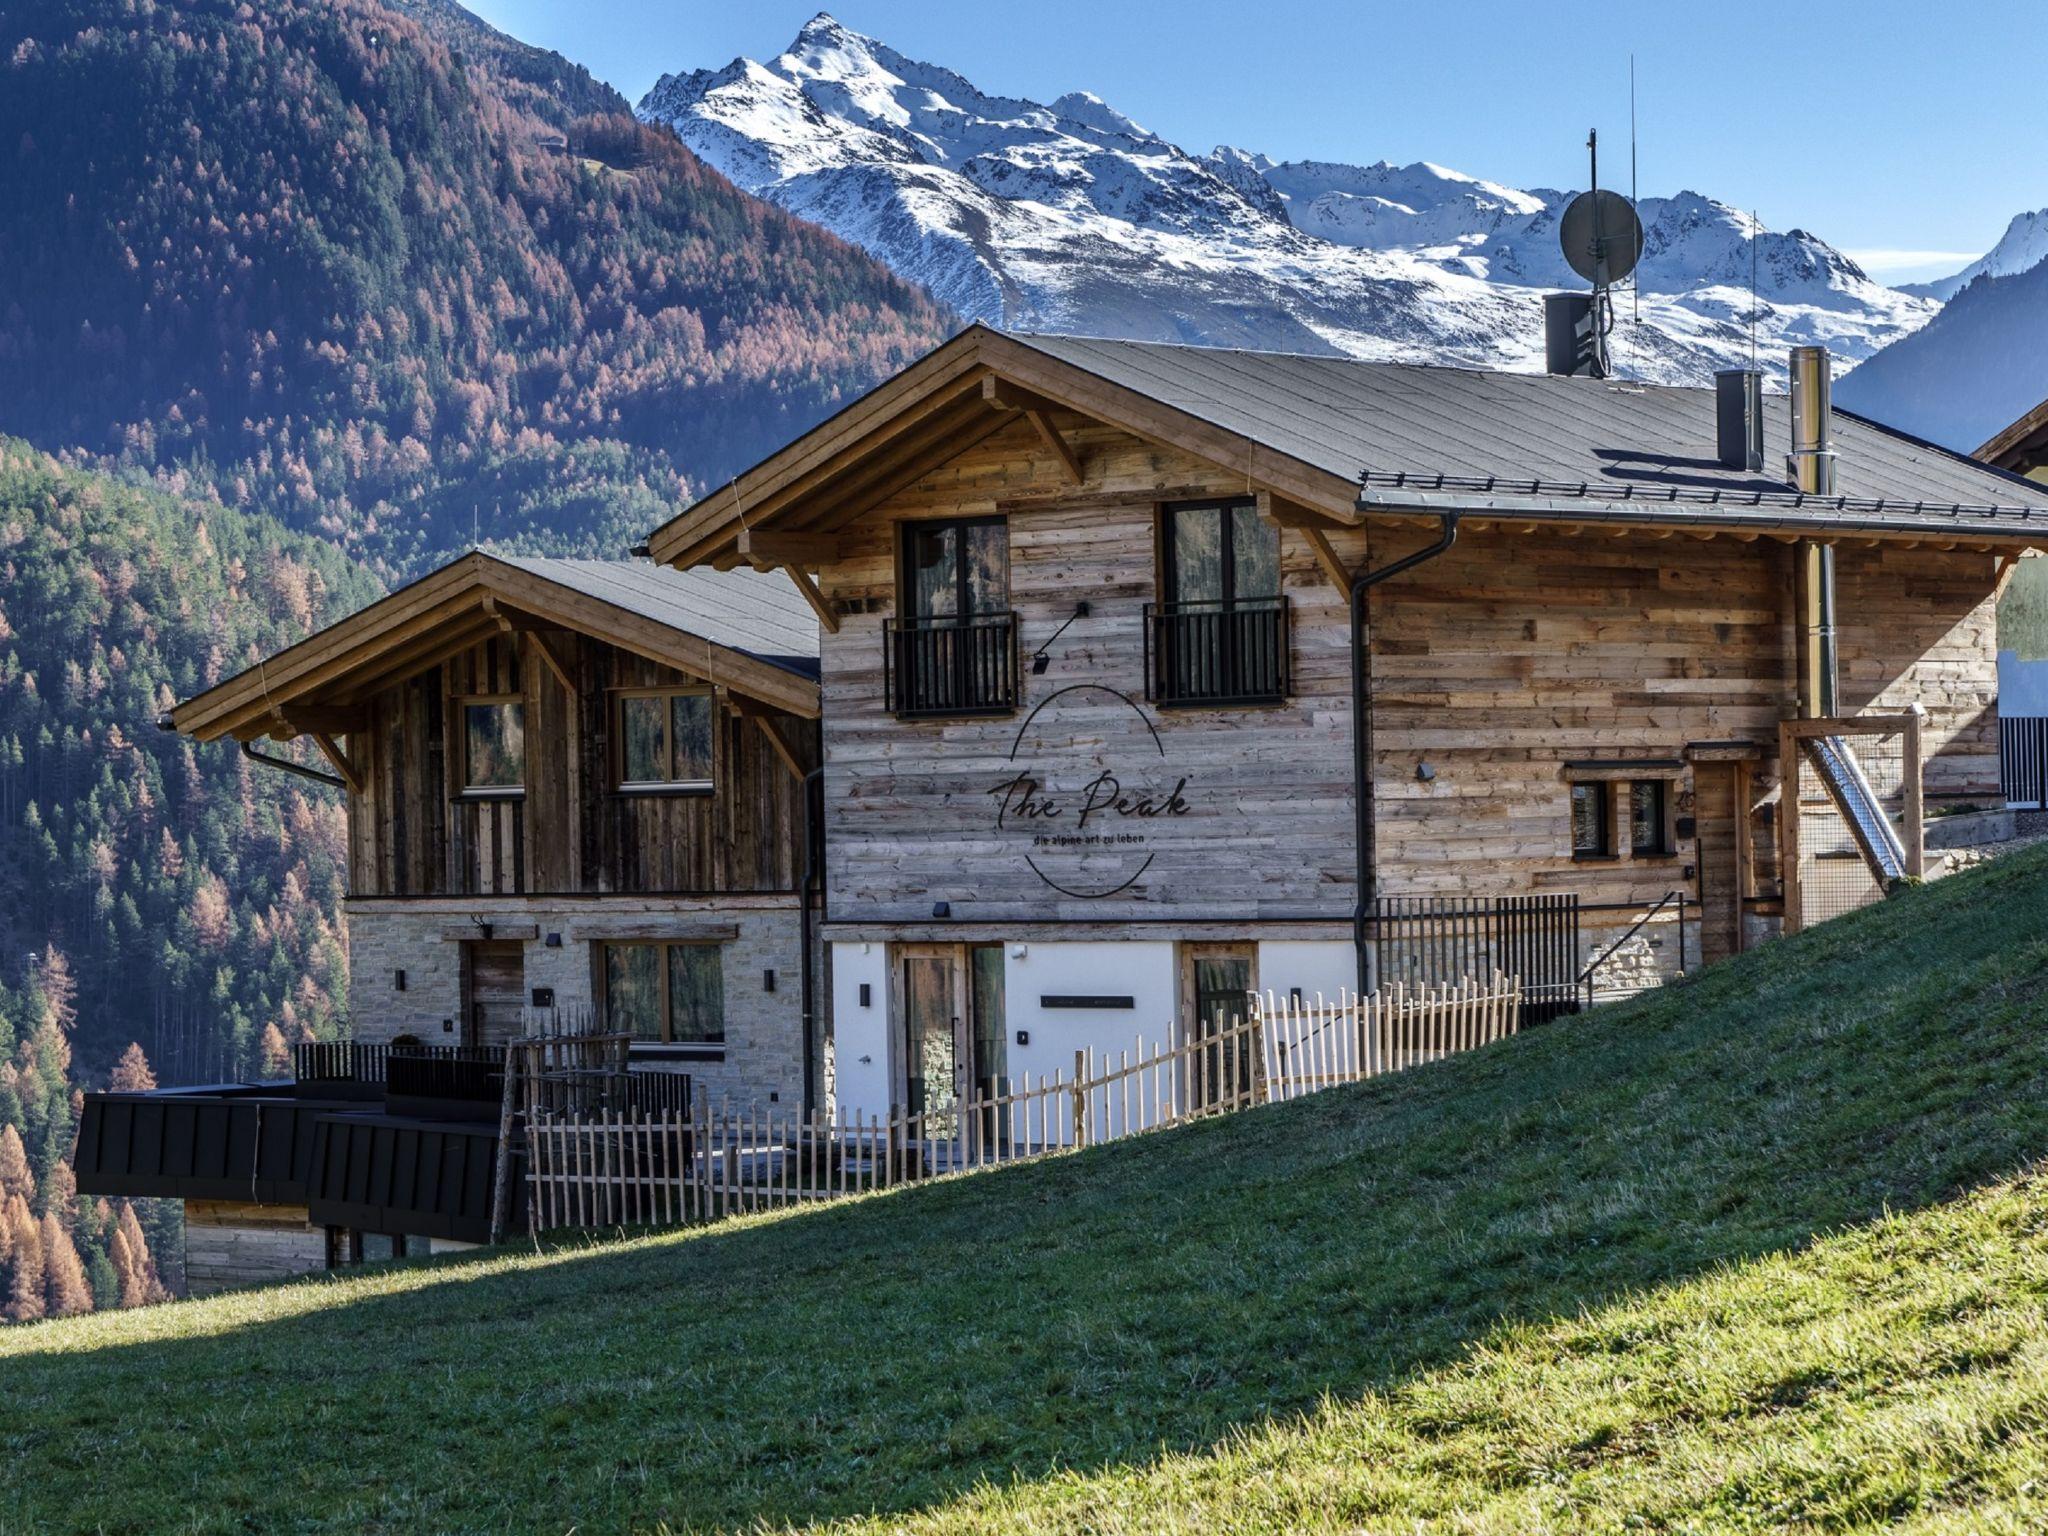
x: 1094, y: 1311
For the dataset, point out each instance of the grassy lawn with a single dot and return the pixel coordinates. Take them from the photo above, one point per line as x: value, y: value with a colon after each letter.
x: 1765, y: 1251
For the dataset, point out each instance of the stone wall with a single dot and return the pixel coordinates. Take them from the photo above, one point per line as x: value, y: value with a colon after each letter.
x: 762, y: 1060
x: 229, y: 1243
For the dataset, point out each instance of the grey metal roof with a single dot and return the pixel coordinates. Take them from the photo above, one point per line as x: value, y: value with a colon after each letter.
x: 757, y: 613
x: 1421, y: 435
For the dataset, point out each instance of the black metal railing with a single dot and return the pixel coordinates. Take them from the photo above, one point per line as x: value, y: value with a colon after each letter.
x: 1217, y: 653
x: 2023, y: 761
x: 950, y: 665
x: 1438, y: 940
x: 469, y: 1074
x: 338, y: 1061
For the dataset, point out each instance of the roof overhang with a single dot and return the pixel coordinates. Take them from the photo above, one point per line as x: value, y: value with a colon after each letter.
x: 2022, y: 447
x: 947, y: 402
x: 321, y: 685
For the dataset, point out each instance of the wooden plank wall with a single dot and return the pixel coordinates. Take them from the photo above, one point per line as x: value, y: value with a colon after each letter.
x: 1496, y: 665
x: 410, y: 835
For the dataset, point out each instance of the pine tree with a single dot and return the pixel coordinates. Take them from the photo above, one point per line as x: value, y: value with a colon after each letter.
x: 132, y: 1072
x: 25, y: 1299
x: 66, y: 1292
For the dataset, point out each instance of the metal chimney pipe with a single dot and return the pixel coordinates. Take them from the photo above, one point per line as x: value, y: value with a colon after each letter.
x: 1811, y: 464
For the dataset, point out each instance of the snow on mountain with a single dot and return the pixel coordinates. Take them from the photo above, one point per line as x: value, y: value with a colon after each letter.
x: 2023, y: 247
x: 1071, y: 217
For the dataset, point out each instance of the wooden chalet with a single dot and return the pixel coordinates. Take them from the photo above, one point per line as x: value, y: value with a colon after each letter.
x: 1089, y: 681
x: 576, y: 802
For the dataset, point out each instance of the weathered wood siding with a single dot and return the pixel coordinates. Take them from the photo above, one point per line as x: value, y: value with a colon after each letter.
x: 411, y: 833
x: 1514, y: 654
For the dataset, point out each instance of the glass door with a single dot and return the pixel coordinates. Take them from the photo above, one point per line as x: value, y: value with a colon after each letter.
x: 989, y: 1047
x: 1218, y: 984
x: 931, y: 1043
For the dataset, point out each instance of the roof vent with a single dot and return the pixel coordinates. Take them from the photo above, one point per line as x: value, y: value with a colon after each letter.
x: 1571, y: 339
x: 1739, y: 417
x: 1811, y: 464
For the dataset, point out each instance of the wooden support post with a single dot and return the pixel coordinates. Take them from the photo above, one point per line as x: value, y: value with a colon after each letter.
x: 796, y: 769
x: 501, y: 1175
x: 820, y: 604
x: 1916, y: 801
x: 554, y: 663
x: 1788, y: 823
x: 340, y: 761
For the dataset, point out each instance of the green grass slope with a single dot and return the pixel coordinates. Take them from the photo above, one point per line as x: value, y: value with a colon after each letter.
x: 1765, y: 1251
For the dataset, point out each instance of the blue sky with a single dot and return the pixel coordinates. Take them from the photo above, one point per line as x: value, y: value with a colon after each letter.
x: 1907, y: 134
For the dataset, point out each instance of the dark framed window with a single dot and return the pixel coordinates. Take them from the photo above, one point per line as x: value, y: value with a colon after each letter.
x: 1219, y: 634
x: 666, y: 993
x: 953, y: 648
x: 665, y: 738
x: 493, y: 745
x: 1591, y: 822
x: 1649, y: 825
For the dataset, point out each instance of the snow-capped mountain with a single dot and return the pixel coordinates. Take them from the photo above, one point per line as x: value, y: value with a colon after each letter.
x: 2023, y: 247
x: 1069, y: 216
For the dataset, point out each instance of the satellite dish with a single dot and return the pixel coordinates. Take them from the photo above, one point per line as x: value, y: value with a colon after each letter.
x: 1601, y: 236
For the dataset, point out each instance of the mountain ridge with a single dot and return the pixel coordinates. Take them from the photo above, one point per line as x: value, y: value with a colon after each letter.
x: 1071, y: 216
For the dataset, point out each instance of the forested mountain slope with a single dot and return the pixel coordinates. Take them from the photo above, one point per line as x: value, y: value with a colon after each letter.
x: 395, y: 277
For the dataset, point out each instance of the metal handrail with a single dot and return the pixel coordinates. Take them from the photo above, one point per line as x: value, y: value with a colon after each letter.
x: 1586, y: 976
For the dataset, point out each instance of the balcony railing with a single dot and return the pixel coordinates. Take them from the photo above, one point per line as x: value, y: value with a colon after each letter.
x: 951, y: 665
x: 1217, y: 653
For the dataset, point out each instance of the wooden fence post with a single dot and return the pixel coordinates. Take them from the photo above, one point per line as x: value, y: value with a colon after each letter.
x: 1080, y: 1099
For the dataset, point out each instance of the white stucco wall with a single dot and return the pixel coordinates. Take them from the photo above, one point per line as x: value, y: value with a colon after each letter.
x: 1316, y: 966
x: 1141, y: 971
x: 860, y: 1036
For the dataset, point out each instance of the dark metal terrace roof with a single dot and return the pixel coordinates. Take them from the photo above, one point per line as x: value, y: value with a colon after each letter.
x: 1422, y: 436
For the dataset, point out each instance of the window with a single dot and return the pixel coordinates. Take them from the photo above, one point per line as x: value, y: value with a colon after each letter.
x: 665, y: 739
x: 493, y: 746
x: 1221, y: 635
x: 953, y: 651
x: 666, y: 994
x: 1648, y: 829
x: 1590, y: 821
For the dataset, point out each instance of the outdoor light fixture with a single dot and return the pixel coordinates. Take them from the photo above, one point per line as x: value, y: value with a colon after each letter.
x: 554, y: 941
x: 398, y: 981
x: 1040, y: 659
x: 1424, y: 773
x: 942, y: 909
x: 768, y: 980
x: 867, y: 995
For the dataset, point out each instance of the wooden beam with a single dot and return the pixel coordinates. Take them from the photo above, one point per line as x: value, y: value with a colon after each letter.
x: 303, y: 719
x: 1060, y: 447
x: 1326, y: 557
x: 821, y: 605
x: 796, y: 769
x: 766, y: 547
x: 1788, y: 825
x: 339, y: 760
x: 545, y: 648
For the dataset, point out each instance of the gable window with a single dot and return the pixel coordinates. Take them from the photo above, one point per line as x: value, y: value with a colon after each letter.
x: 1649, y: 805
x: 953, y: 648
x: 1220, y: 635
x: 1590, y: 821
x: 666, y: 993
x: 664, y: 738
x: 493, y: 746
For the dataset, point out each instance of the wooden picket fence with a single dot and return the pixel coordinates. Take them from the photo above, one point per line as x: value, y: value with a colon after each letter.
x: 629, y: 1166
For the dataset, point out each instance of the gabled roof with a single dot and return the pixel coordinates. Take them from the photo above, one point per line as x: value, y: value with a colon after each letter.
x: 2021, y: 447
x: 1347, y: 439
x: 748, y: 631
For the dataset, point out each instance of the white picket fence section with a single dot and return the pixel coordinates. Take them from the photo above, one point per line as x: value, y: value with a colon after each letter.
x: 592, y: 1168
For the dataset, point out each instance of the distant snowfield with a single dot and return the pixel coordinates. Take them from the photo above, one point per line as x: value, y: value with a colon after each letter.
x: 1069, y: 217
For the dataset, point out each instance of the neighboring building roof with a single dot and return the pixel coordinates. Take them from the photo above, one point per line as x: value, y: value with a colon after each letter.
x: 1347, y: 439
x: 756, y: 613
x: 749, y: 632
x: 2022, y: 448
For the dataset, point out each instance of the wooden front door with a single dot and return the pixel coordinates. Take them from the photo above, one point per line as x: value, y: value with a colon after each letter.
x: 493, y: 991
x: 1720, y: 806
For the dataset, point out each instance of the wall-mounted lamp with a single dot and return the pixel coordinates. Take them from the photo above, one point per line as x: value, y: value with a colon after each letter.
x: 553, y: 941
x: 867, y: 995
x: 1424, y: 773
x: 768, y: 980
x: 1019, y: 951
x: 942, y: 909
x: 398, y: 981
x: 1294, y: 996
x: 1042, y: 658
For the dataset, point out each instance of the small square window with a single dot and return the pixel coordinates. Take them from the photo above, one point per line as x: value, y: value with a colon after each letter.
x: 493, y: 747
x: 665, y: 740
x: 1649, y: 802
x: 1590, y: 821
